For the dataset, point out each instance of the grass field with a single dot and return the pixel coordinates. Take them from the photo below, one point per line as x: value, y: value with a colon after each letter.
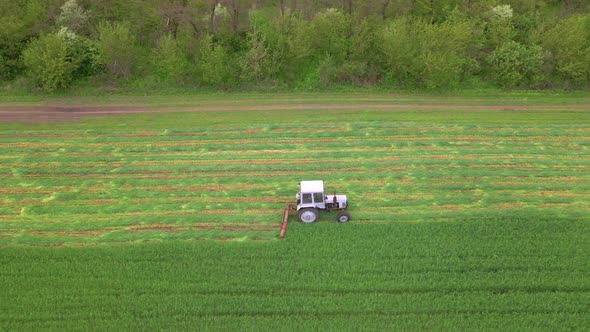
x: 462, y: 219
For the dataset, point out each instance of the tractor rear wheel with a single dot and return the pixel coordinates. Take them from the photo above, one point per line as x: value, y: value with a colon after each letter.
x: 308, y: 215
x: 343, y: 216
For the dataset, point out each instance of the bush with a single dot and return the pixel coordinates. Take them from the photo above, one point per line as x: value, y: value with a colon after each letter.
x: 351, y: 71
x: 320, y: 46
x: 267, y: 47
x: 83, y: 53
x: 330, y: 35
x: 215, y: 64
x: 568, y: 46
x: 20, y: 23
x: 72, y: 16
x: 259, y: 63
x: 49, y: 62
x: 168, y: 60
x: 514, y: 64
x: 338, y: 48
x: 364, y: 64
x: 500, y: 27
x: 419, y: 54
x: 116, y: 46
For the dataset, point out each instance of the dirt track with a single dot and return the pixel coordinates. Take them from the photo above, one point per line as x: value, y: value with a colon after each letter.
x: 65, y: 113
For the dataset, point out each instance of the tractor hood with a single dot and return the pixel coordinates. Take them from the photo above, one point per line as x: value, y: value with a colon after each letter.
x: 339, y: 198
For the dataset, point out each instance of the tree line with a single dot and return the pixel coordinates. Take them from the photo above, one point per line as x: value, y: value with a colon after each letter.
x: 260, y: 44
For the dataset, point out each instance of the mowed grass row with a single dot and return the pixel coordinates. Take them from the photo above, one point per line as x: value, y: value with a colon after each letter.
x: 228, y: 175
x: 461, y: 221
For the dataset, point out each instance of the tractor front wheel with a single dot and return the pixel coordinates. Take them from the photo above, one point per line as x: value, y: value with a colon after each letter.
x: 343, y: 216
x: 308, y: 215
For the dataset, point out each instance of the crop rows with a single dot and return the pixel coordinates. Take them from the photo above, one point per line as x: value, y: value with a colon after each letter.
x: 514, y: 273
x: 461, y: 221
x: 230, y: 180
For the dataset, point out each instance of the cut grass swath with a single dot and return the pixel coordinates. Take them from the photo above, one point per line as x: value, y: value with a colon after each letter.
x: 228, y: 172
x: 462, y: 220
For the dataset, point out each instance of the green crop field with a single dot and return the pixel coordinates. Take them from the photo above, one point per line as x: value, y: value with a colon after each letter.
x: 461, y: 218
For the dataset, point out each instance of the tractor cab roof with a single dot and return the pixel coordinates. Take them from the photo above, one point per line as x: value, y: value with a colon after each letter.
x: 316, y: 186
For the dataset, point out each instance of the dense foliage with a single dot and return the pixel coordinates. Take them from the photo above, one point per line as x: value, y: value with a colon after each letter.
x: 435, y: 44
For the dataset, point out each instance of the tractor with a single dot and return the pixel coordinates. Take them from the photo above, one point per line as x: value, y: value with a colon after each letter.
x: 311, y: 200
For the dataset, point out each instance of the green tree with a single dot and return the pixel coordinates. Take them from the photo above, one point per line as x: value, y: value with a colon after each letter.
x: 364, y: 65
x: 568, y: 49
x: 116, y: 46
x: 72, y: 16
x: 514, y: 64
x: 49, y: 63
x: 419, y: 54
x: 267, y: 47
x: 11, y: 46
x: 216, y: 67
x: 168, y: 60
x: 142, y: 16
x: 259, y: 63
x: 20, y: 21
x: 322, y: 46
x: 500, y: 27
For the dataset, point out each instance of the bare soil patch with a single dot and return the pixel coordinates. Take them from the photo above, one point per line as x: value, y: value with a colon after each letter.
x: 179, y: 228
x: 157, y: 228
x: 92, y: 233
x: 68, y: 112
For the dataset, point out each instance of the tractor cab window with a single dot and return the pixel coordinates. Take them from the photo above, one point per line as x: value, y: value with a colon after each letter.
x: 306, y: 199
x: 318, y: 197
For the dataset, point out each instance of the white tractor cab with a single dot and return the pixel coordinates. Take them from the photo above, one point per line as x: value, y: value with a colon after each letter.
x: 311, y: 199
